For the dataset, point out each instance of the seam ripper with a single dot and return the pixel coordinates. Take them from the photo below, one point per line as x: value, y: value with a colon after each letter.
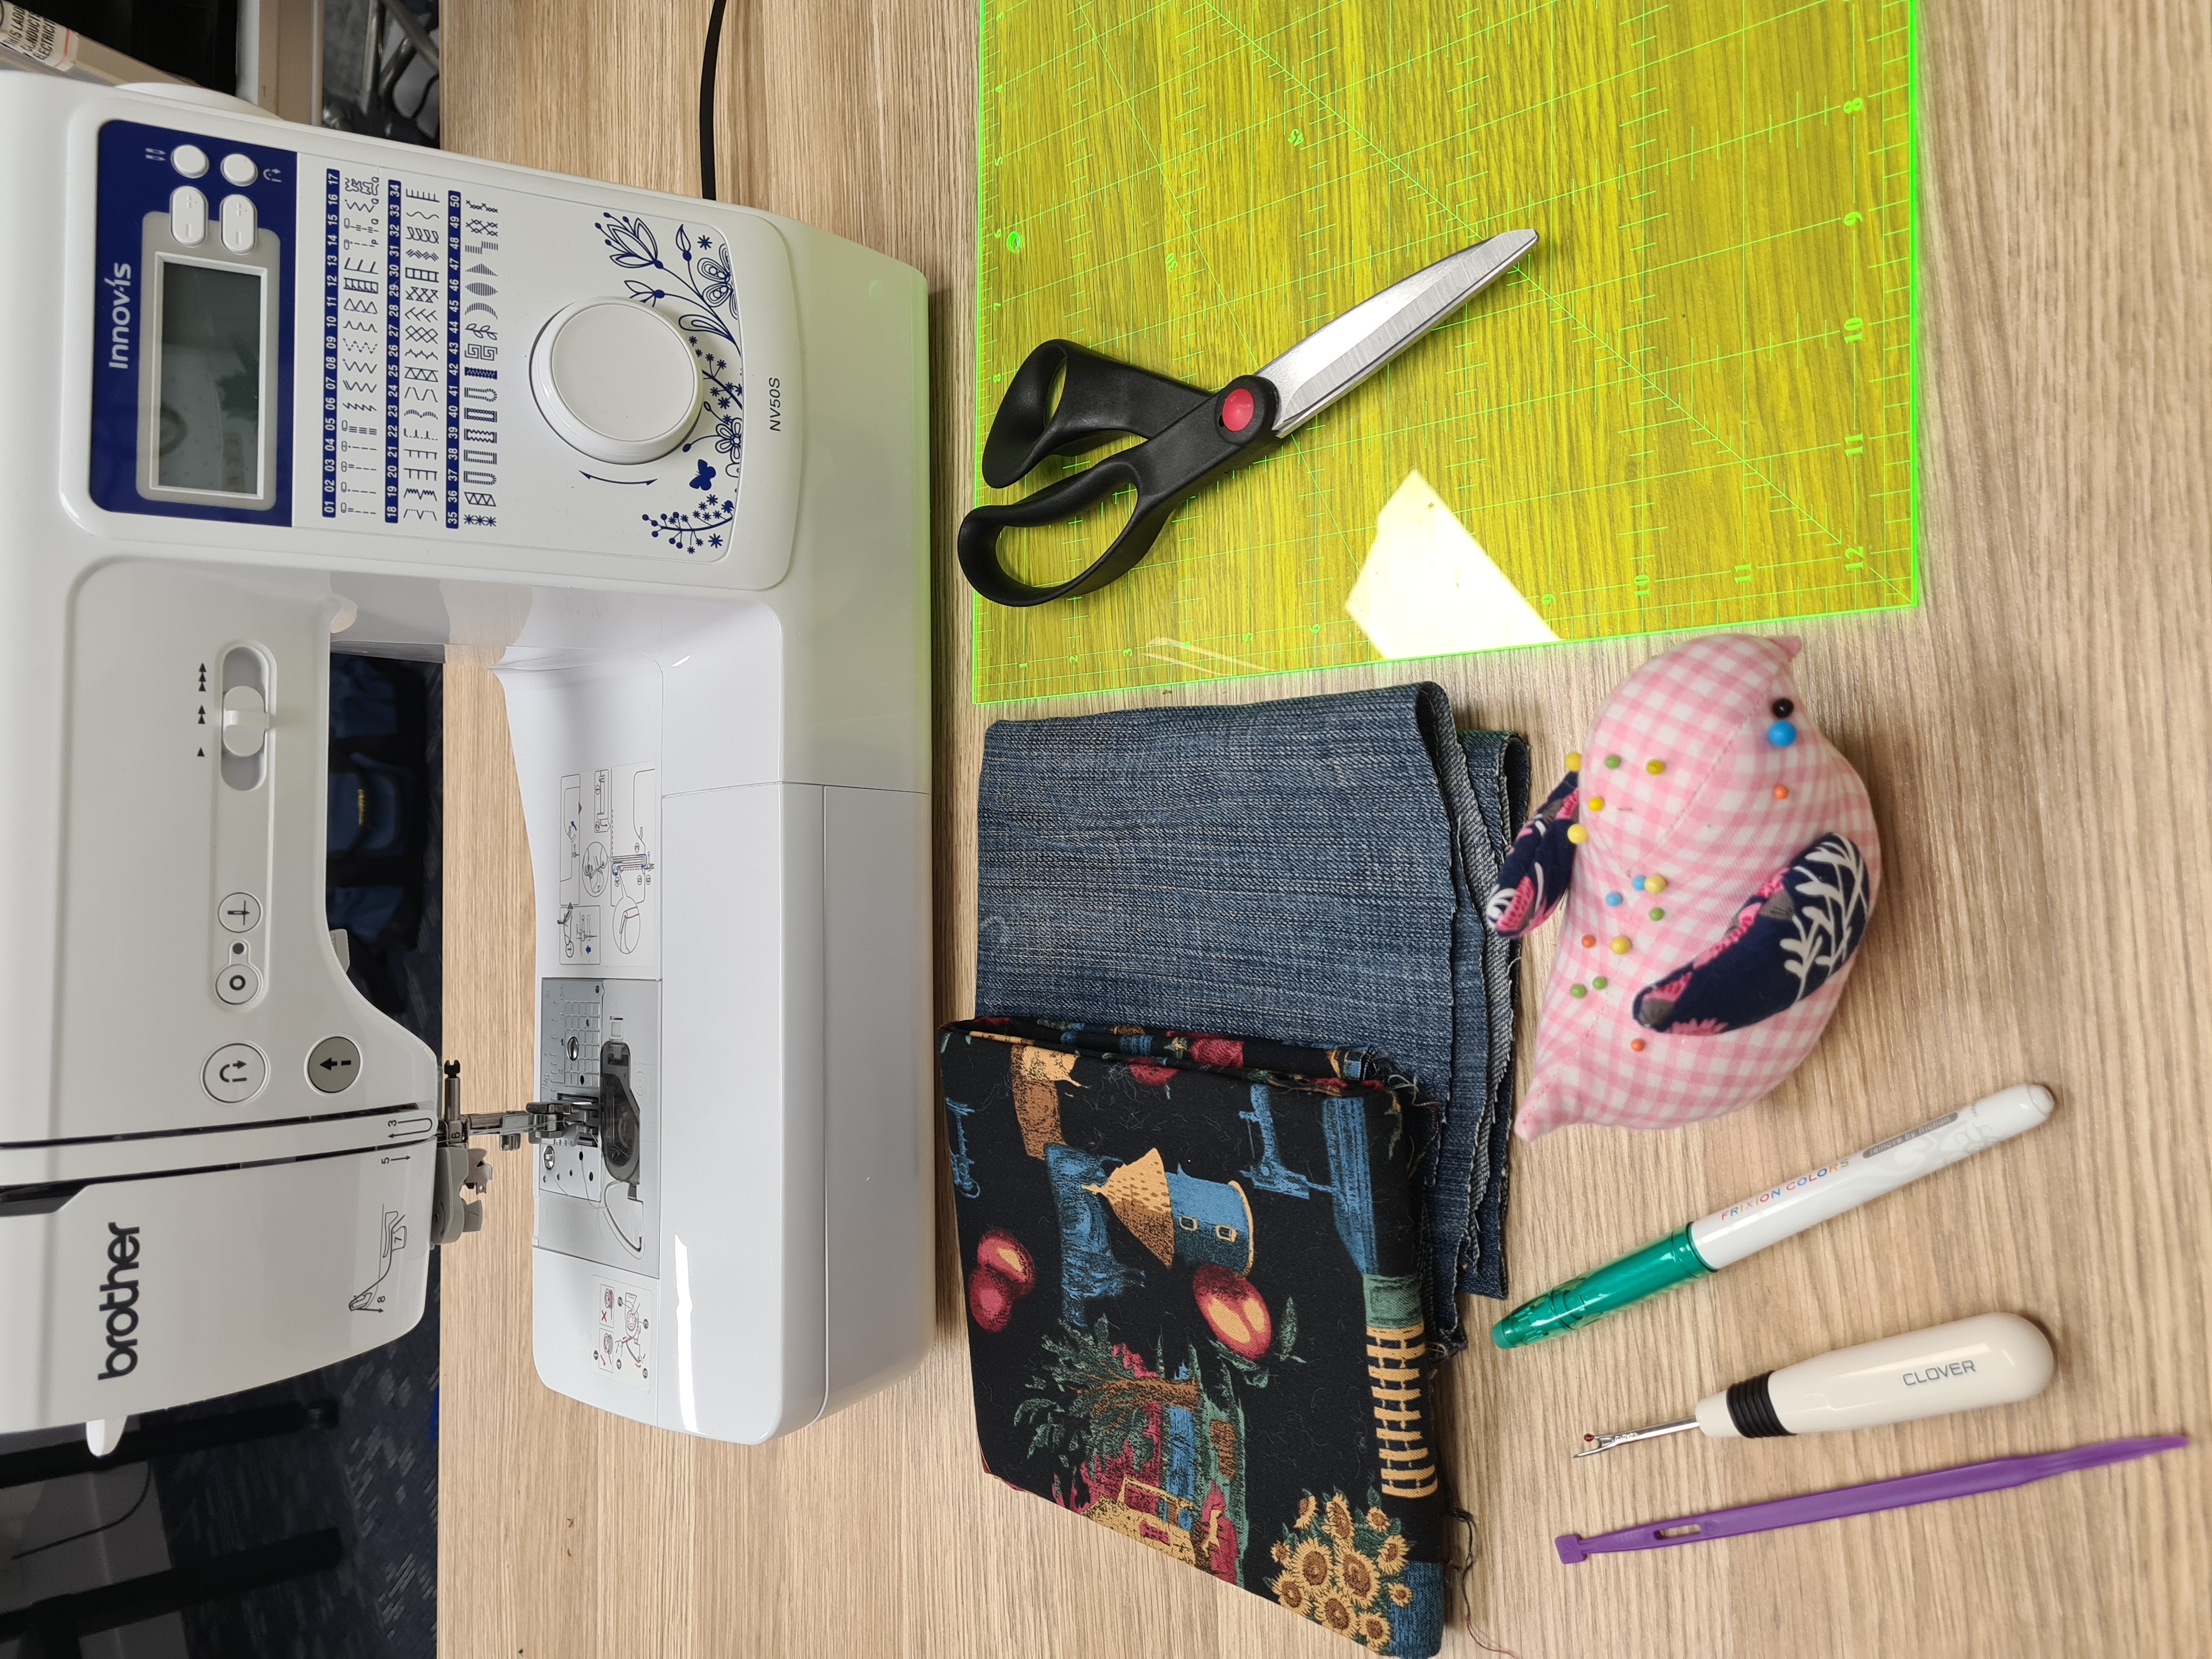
x: 1991, y: 1359
x: 1730, y: 1235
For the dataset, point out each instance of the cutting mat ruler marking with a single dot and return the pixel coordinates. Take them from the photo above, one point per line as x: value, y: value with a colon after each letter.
x: 1692, y: 407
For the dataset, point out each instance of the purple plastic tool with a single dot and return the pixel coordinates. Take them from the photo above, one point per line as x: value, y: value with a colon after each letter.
x: 1837, y: 1502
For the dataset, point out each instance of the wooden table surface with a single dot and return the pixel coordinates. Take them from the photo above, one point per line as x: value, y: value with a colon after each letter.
x: 2036, y: 738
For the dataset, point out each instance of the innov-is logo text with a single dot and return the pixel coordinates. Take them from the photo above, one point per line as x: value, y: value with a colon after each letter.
x: 119, y: 1301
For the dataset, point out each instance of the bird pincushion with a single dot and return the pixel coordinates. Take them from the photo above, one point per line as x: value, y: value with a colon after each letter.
x: 1718, y: 862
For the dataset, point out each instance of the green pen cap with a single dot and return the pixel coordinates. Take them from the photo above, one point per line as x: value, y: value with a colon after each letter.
x: 1657, y: 1266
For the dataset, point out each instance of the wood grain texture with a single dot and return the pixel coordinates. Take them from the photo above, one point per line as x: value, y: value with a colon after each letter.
x: 2037, y: 736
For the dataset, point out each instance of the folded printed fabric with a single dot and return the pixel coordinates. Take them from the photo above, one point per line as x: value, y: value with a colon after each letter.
x: 1306, y: 871
x: 1194, y: 1306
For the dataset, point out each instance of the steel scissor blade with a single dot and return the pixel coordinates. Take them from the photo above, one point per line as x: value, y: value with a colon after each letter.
x: 1325, y: 365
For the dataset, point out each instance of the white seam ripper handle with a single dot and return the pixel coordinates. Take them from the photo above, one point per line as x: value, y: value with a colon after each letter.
x: 1991, y: 1359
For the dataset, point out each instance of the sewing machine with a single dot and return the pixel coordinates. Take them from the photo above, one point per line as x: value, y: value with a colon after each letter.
x: 270, y: 391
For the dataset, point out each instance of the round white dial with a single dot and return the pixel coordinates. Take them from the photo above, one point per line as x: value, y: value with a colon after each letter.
x: 616, y: 379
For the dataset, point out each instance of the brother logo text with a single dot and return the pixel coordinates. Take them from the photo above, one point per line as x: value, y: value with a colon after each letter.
x: 118, y: 1300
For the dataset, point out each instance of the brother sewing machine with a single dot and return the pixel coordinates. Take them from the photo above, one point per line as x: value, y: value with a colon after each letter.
x: 266, y: 389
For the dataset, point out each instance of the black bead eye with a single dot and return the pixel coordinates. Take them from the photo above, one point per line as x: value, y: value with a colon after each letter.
x: 1783, y: 708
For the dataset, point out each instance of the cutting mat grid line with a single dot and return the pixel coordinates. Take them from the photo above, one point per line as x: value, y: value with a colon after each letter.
x: 1693, y: 406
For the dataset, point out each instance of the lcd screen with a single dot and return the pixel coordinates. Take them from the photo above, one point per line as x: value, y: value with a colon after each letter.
x: 211, y: 429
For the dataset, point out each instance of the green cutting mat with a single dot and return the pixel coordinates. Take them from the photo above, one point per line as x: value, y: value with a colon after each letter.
x: 1692, y: 406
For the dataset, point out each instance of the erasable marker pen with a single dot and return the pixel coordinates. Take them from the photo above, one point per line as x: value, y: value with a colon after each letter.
x: 1743, y: 1229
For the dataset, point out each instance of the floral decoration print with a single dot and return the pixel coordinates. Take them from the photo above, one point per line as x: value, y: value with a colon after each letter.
x: 704, y: 283
x: 1111, y: 1420
x: 1344, y: 1569
x: 1787, y: 939
x: 1539, y: 864
x: 1831, y: 913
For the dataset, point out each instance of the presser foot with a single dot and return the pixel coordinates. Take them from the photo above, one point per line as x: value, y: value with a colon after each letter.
x: 464, y: 1172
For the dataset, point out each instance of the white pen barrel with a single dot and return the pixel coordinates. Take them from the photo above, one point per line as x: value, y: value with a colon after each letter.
x: 1991, y: 1359
x: 1770, y: 1217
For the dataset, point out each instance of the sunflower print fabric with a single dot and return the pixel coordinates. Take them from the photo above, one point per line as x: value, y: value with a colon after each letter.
x: 1346, y: 1569
x: 1193, y: 1275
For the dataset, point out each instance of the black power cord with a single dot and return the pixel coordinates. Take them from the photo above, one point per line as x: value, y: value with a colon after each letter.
x: 707, y: 100
x: 137, y: 1504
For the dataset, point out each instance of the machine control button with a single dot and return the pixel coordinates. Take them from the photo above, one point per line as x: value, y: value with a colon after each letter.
x: 239, y: 913
x: 237, y: 983
x: 333, y: 1064
x: 190, y: 160
x: 615, y: 380
x: 238, y: 169
x: 245, y: 721
x: 235, y: 1074
x: 188, y: 215
x: 238, y: 223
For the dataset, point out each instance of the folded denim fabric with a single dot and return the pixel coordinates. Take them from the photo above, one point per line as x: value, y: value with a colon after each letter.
x: 1193, y: 1272
x: 1308, y: 871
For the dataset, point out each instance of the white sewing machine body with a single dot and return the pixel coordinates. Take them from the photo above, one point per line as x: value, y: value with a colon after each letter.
x: 267, y: 389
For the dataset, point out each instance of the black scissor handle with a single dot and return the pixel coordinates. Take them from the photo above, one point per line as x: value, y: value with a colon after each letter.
x: 1164, y: 471
x: 1099, y: 399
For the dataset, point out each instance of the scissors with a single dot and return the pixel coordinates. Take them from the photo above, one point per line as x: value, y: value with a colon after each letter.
x: 1191, y: 436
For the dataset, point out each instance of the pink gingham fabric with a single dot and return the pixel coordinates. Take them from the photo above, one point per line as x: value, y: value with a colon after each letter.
x: 1709, y: 823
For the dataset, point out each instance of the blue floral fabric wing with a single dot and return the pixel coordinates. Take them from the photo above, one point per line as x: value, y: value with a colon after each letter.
x: 1538, y: 865
x: 1789, y: 939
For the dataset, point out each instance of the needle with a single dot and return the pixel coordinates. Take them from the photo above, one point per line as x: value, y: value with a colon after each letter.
x: 1606, y: 1442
